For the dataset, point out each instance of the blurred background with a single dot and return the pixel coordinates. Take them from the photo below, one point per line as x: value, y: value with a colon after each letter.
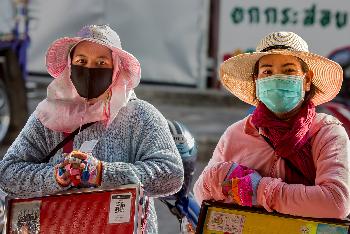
x: 180, y: 45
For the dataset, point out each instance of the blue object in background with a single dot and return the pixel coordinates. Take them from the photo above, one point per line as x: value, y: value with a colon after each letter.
x: 251, y: 110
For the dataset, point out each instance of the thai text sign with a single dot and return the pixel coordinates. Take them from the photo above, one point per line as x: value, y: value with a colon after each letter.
x: 323, y: 24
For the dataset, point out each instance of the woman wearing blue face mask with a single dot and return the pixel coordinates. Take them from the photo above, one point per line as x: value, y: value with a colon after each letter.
x: 281, y: 83
x: 284, y: 157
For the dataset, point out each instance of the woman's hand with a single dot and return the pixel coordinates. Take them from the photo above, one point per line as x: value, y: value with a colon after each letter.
x: 79, y: 169
x: 62, y: 176
x: 241, y: 184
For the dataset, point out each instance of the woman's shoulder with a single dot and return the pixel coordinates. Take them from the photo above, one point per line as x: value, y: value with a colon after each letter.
x: 34, y: 123
x: 323, y: 119
x: 326, y: 123
x: 141, y: 110
x: 35, y: 133
x: 240, y: 124
x: 136, y: 105
x: 239, y: 127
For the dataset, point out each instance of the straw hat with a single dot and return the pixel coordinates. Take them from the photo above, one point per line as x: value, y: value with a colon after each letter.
x: 58, y: 52
x: 236, y: 73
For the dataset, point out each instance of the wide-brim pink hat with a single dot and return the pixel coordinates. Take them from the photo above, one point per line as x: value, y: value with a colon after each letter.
x: 237, y: 72
x: 57, y: 55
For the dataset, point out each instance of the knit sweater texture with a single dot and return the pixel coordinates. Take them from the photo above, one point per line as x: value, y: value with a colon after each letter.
x: 137, y: 147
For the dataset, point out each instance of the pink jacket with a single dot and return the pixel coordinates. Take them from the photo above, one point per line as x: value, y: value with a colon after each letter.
x: 328, y: 198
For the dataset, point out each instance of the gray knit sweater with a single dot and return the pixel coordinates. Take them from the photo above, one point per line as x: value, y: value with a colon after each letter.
x: 137, y: 147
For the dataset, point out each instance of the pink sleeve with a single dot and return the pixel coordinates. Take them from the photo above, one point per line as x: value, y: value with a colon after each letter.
x: 329, y: 198
x: 208, y: 185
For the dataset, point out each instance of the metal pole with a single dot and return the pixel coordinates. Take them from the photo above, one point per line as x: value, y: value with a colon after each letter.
x: 214, y: 16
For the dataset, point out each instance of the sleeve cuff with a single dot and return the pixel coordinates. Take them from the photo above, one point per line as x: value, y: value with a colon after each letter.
x: 266, y: 190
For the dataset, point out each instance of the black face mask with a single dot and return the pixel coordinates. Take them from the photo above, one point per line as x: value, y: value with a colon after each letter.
x: 91, y: 82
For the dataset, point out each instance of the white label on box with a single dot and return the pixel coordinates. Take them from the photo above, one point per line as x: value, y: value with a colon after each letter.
x: 120, y: 208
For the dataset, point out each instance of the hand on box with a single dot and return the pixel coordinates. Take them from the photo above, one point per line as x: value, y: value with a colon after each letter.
x: 241, y: 184
x: 79, y: 169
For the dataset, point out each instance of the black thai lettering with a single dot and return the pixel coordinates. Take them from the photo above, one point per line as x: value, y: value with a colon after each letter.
x: 285, y: 16
x: 310, y: 15
x: 237, y: 15
x: 271, y: 15
x: 295, y: 17
x: 341, y: 19
x: 254, y: 16
x: 325, y: 18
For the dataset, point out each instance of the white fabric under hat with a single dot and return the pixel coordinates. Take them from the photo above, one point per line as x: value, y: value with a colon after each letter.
x: 64, y: 110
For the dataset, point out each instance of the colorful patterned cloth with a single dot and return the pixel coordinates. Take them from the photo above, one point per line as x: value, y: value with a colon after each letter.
x: 241, y: 183
x: 79, y: 169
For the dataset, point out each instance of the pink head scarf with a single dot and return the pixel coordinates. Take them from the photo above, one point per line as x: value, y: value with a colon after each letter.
x: 64, y: 110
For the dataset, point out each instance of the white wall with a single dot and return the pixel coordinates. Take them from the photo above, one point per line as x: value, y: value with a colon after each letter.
x: 6, y: 17
x: 168, y: 37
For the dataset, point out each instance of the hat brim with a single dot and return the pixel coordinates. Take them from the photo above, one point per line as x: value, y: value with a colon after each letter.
x: 236, y: 75
x: 58, y: 52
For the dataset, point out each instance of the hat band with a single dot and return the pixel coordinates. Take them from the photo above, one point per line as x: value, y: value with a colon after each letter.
x: 278, y: 47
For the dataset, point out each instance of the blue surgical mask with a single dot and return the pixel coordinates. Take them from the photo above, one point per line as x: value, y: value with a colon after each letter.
x: 280, y: 93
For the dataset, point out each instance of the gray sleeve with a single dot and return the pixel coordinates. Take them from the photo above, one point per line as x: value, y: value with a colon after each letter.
x: 22, y: 173
x: 158, y: 165
x: 2, y: 211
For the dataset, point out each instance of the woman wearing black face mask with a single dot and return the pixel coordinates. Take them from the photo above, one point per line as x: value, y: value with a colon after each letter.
x: 129, y: 142
x: 91, y: 69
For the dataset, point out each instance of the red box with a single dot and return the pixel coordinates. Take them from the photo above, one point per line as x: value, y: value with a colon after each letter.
x: 78, y: 211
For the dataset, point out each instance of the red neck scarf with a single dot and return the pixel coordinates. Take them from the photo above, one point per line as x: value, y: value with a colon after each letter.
x: 291, y: 141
